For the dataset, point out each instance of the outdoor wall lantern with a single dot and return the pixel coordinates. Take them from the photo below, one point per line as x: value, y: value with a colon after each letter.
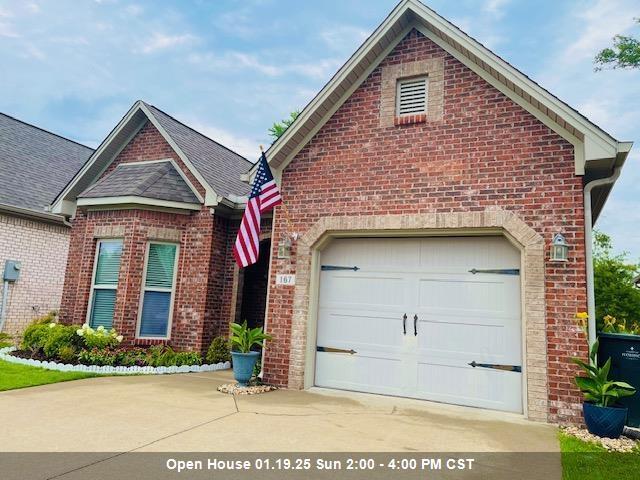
x: 284, y: 248
x: 559, y: 248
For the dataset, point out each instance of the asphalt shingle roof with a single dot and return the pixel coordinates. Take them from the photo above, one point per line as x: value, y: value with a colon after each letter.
x: 158, y: 180
x: 219, y: 166
x: 35, y: 165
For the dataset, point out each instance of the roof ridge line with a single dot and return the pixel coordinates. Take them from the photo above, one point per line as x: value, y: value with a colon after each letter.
x: 199, y: 133
x: 46, y: 131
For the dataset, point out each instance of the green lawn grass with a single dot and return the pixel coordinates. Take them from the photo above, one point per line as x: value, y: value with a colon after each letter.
x: 13, y: 375
x: 584, y: 460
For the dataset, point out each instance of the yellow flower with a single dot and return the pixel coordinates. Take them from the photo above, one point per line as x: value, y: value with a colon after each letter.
x: 581, y: 319
x: 582, y: 315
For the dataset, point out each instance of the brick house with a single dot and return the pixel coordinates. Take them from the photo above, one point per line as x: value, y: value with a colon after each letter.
x: 34, y: 166
x: 425, y: 187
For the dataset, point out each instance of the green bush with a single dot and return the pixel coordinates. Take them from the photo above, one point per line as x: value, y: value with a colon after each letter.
x: 5, y: 339
x: 187, y: 358
x: 97, y: 356
x: 34, y: 337
x: 57, y: 337
x: 98, y: 337
x: 219, y: 351
x: 67, y: 354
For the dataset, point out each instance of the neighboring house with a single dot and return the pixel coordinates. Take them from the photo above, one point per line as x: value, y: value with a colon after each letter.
x: 34, y: 166
x: 636, y: 281
x: 424, y: 186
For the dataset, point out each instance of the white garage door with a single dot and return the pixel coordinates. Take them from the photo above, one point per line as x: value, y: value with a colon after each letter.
x: 461, y: 298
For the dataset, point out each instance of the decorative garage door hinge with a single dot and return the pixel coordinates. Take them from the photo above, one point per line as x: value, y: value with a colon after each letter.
x: 497, y: 271
x: 507, y: 368
x: 335, y: 350
x: 338, y: 267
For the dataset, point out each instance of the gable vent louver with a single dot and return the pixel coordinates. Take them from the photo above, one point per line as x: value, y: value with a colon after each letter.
x: 412, y: 96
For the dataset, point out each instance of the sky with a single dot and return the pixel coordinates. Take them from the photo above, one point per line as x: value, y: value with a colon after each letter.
x: 231, y: 68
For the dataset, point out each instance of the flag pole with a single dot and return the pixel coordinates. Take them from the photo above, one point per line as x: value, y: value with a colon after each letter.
x: 285, y: 210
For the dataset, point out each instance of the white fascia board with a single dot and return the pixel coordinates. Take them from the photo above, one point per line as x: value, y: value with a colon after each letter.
x: 210, y: 198
x: 61, y: 203
x: 135, y: 200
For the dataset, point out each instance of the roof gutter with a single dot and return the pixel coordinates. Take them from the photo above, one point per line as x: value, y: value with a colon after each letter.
x: 34, y: 214
x: 588, y: 240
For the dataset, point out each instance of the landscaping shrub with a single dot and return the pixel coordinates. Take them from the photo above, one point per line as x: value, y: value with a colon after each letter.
x: 67, y: 354
x: 97, y: 356
x: 219, y: 350
x: 5, y: 339
x: 34, y: 337
x: 98, y: 337
x: 57, y: 337
x: 187, y: 358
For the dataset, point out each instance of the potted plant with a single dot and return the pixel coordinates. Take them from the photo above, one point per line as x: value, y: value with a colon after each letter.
x: 244, y: 359
x: 602, y: 415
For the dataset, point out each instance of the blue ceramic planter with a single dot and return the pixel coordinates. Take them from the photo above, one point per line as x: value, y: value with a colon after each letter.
x: 604, y: 421
x: 243, y: 364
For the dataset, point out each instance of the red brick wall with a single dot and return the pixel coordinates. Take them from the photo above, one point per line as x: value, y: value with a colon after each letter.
x: 203, y: 259
x: 149, y: 144
x: 485, y: 152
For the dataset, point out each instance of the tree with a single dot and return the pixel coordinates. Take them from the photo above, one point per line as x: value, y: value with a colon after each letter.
x: 616, y: 295
x: 625, y: 53
x: 278, y: 128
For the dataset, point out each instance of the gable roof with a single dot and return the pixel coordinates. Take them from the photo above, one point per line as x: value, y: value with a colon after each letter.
x: 591, y: 143
x: 215, y: 167
x: 157, y: 180
x: 220, y: 166
x: 35, y: 164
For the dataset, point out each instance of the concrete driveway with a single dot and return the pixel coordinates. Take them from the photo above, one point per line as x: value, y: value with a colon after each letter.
x: 186, y: 413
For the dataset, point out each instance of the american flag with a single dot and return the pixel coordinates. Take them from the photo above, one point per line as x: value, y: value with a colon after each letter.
x: 264, y: 196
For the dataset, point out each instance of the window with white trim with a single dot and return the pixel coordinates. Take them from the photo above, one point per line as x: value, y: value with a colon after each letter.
x: 411, y: 96
x: 104, y: 287
x: 156, y: 302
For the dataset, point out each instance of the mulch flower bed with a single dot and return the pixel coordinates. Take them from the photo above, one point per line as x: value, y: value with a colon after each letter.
x: 622, y: 444
x: 235, y: 389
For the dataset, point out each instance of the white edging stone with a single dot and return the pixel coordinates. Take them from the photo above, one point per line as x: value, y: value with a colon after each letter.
x: 107, y: 370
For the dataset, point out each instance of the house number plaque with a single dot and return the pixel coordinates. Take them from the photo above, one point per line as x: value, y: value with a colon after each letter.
x: 285, y: 279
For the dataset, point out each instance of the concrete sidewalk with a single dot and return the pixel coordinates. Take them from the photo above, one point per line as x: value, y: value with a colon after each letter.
x: 187, y: 413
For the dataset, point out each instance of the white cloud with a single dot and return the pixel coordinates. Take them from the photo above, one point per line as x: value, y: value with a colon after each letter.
x: 232, y: 61
x: 245, y: 146
x: 344, y: 37
x: 33, y: 7
x: 599, y: 22
x: 495, y: 7
x: 133, y: 10
x: 7, y: 30
x: 161, y: 41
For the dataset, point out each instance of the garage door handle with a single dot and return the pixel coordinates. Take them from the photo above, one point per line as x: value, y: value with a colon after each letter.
x: 404, y: 324
x: 415, y: 325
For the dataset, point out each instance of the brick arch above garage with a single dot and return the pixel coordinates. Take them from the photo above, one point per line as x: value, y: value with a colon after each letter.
x: 530, y: 243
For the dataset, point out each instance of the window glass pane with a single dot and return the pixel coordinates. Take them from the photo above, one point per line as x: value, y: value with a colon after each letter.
x: 108, y: 263
x: 155, y: 314
x: 160, y: 265
x: 102, y: 307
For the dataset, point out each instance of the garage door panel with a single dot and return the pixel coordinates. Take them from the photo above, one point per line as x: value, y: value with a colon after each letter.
x: 360, y: 373
x: 474, y: 297
x: 380, y: 254
x: 451, y: 252
x: 464, y: 385
x: 363, y: 331
x: 465, y: 341
x: 357, y: 291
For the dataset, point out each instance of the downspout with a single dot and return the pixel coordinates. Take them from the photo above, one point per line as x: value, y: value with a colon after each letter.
x: 588, y: 244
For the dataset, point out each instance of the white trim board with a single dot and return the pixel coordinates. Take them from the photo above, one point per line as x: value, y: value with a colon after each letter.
x: 135, y: 200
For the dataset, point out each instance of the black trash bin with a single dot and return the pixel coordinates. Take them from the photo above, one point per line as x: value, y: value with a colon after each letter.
x: 624, y: 351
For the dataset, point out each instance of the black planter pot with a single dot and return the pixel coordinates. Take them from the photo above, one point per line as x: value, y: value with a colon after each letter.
x: 604, y: 421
